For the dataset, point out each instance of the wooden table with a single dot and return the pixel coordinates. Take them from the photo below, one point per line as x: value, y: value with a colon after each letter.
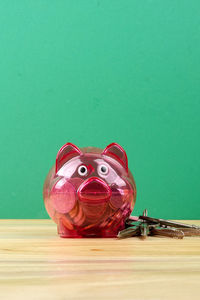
x: 36, y: 264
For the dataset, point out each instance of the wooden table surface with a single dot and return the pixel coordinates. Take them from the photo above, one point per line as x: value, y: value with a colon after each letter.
x: 36, y: 264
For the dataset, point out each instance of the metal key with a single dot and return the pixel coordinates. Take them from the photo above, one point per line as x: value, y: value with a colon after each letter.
x: 168, y: 232
x: 129, y: 232
x: 168, y: 223
x: 143, y: 226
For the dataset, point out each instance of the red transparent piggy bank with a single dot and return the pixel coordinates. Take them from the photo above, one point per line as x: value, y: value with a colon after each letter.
x: 90, y: 192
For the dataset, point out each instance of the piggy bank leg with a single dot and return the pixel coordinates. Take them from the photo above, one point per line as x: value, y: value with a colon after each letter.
x: 66, y: 232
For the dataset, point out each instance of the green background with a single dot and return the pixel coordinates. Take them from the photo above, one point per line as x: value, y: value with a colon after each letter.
x: 96, y: 72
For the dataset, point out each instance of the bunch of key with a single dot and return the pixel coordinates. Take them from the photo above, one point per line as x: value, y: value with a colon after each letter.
x: 144, y: 226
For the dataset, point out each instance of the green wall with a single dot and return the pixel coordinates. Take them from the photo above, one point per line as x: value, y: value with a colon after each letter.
x: 94, y: 72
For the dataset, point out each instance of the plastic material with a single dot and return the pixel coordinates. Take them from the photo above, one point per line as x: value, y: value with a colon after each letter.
x: 90, y: 192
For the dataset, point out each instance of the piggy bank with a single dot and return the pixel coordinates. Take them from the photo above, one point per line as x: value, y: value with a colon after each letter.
x: 90, y: 192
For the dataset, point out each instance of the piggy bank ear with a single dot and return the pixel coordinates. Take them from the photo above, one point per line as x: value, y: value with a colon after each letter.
x: 65, y: 153
x: 117, y: 152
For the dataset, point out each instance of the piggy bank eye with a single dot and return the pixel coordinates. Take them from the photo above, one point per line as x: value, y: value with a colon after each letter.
x: 82, y: 170
x: 103, y: 169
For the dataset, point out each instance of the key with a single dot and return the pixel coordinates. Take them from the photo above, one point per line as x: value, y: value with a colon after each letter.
x: 163, y: 222
x: 190, y: 231
x: 144, y: 226
x: 129, y: 232
x: 186, y: 229
x: 168, y: 232
x: 144, y: 230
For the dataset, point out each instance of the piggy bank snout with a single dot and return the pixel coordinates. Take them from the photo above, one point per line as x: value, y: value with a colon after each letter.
x: 94, y: 190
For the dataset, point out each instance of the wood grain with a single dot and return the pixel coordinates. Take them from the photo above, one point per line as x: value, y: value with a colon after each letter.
x: 36, y: 264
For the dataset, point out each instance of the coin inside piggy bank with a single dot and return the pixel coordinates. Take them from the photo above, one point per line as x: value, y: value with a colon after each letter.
x: 90, y: 192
